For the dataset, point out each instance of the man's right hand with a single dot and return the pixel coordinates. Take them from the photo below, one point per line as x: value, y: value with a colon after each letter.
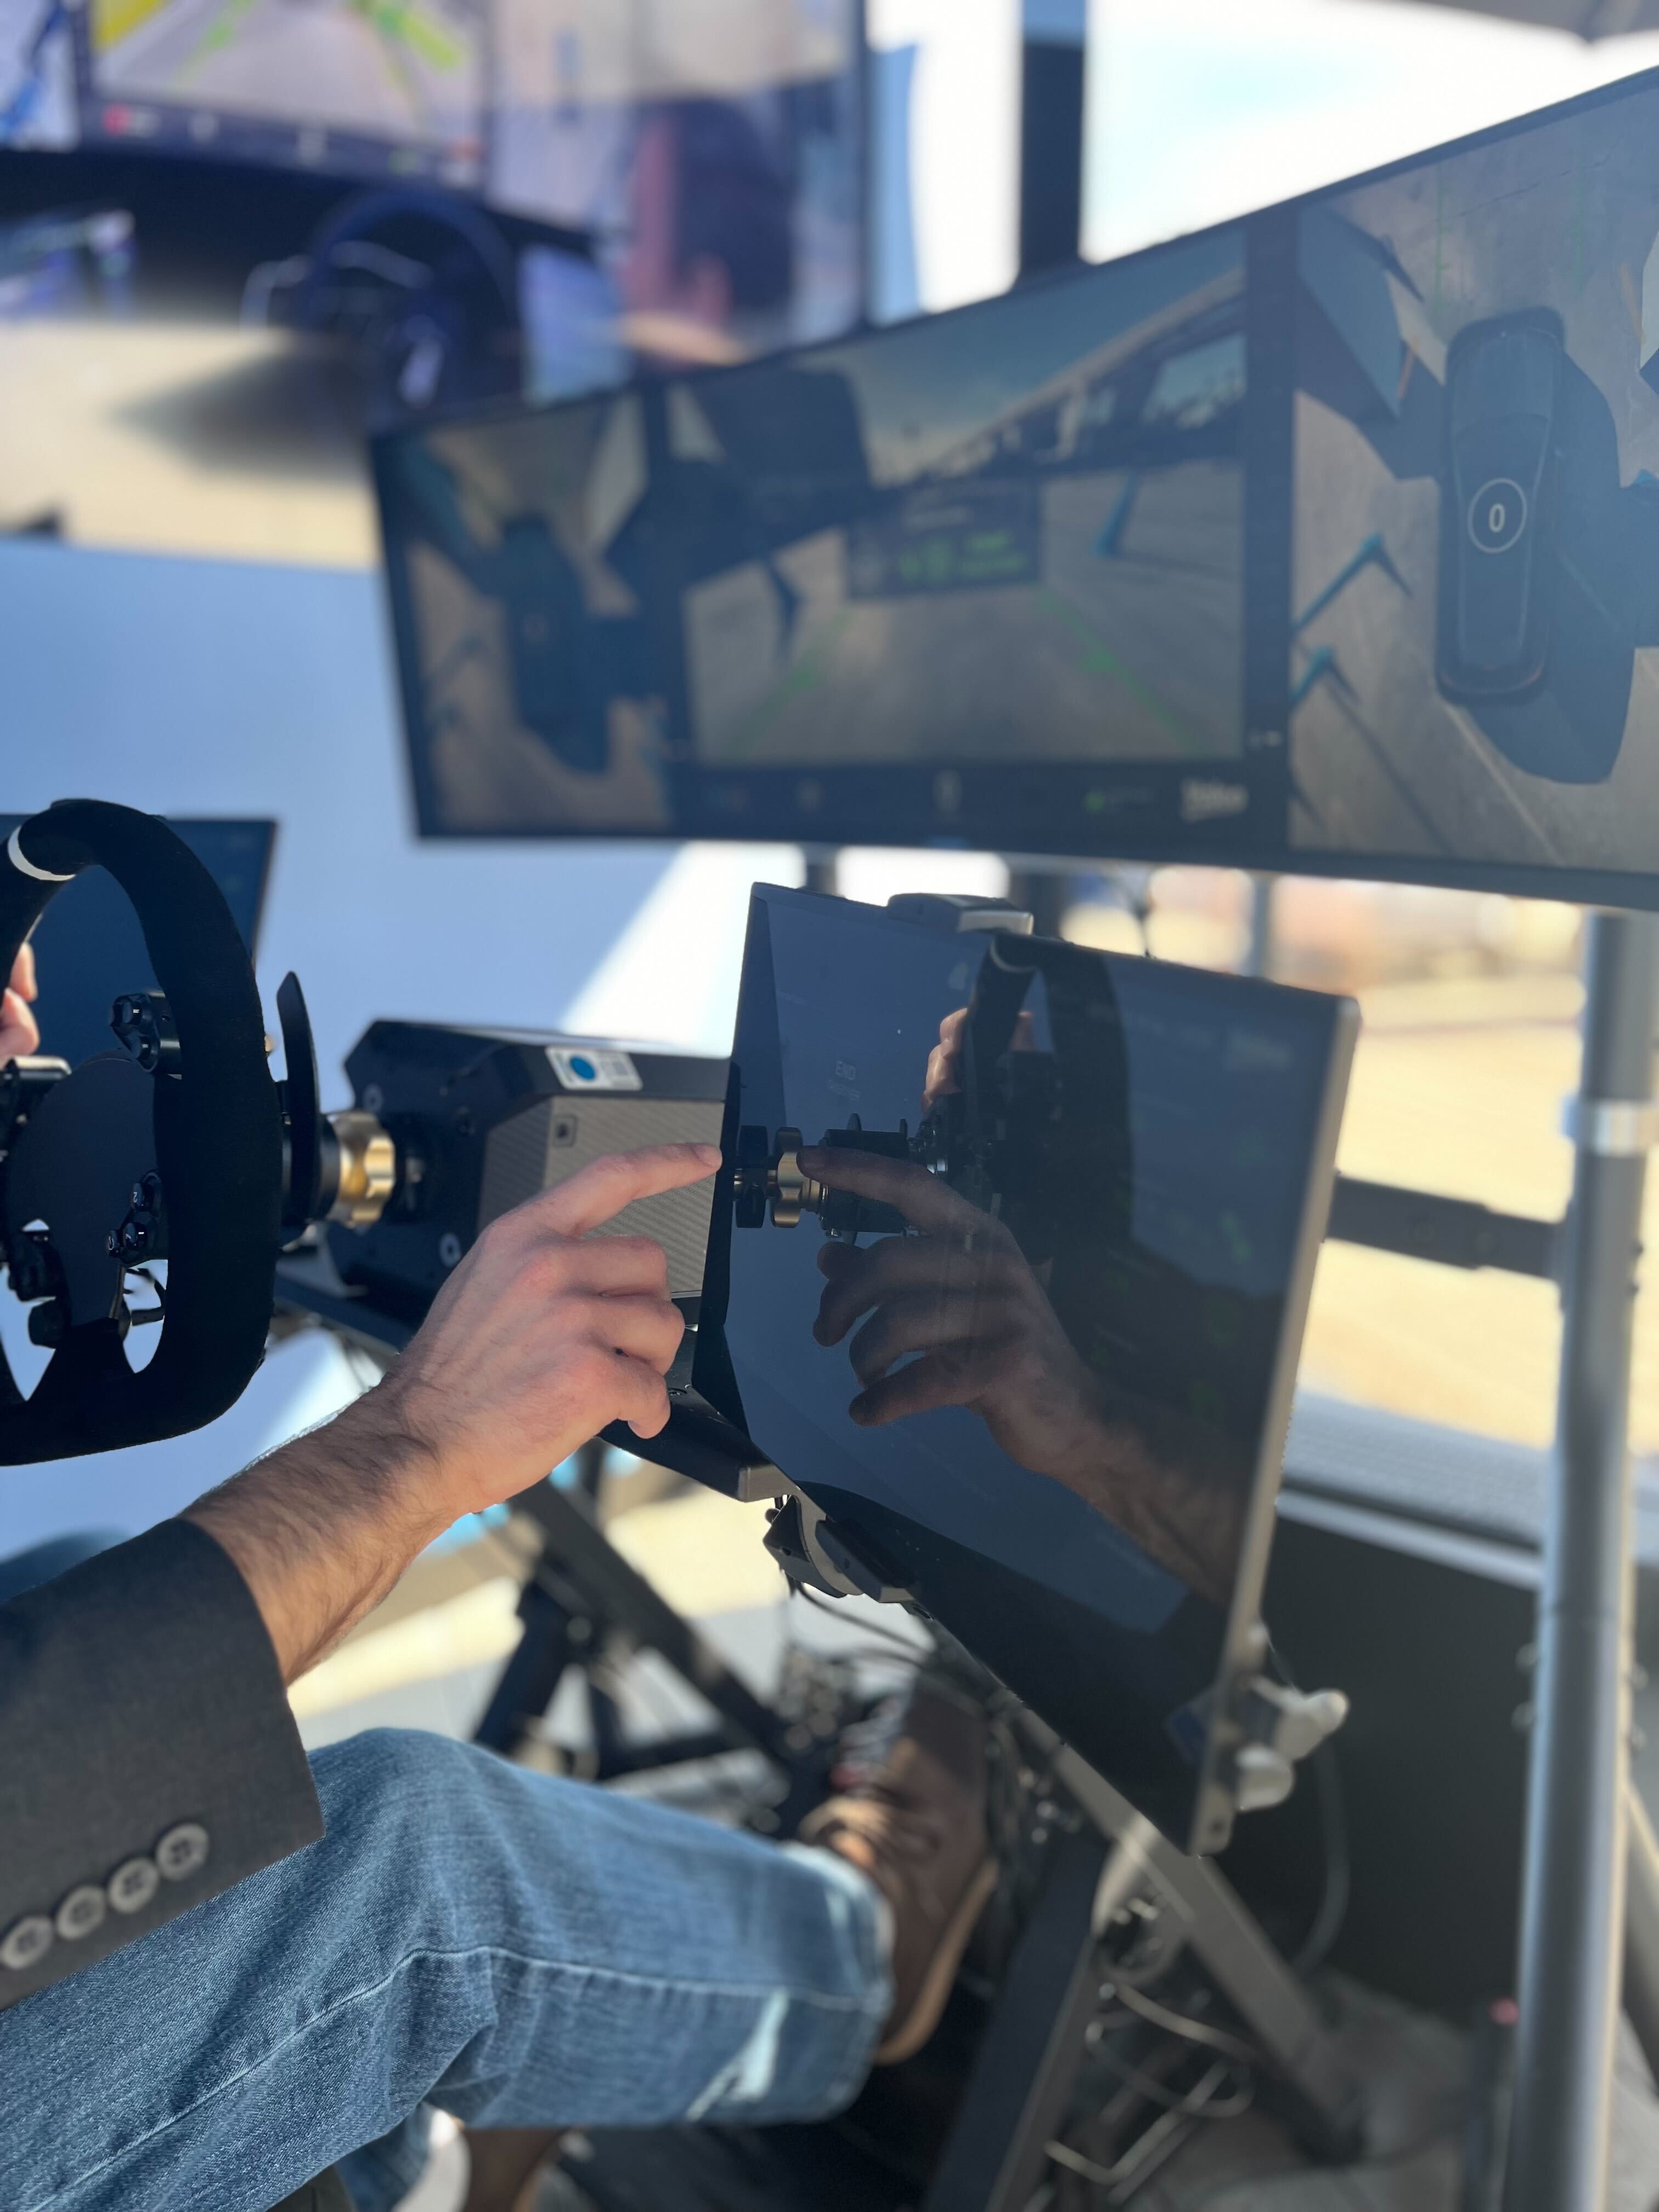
x: 544, y: 1335
x: 20, y: 1033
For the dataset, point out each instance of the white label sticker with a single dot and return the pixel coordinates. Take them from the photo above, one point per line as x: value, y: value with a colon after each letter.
x: 593, y: 1068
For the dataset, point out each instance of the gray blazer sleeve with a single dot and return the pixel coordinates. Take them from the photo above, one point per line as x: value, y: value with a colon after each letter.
x: 148, y: 1756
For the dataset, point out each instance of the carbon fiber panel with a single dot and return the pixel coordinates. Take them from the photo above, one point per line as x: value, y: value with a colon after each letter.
x: 552, y: 1139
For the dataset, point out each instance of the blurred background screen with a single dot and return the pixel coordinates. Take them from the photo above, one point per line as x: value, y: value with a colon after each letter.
x: 982, y: 573
x: 292, y: 219
x: 1475, y: 526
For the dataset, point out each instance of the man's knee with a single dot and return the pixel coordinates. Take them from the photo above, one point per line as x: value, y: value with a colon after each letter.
x: 397, y: 1786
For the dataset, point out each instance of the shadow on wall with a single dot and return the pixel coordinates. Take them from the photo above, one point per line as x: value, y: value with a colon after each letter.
x: 195, y: 687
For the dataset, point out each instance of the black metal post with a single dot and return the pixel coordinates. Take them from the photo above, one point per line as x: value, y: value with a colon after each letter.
x: 821, y: 870
x: 1259, y: 944
x: 1573, y: 1893
x: 1045, y: 894
x: 1051, y: 132
x: 1016, y: 2094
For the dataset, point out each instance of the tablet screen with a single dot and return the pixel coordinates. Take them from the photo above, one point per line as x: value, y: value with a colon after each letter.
x: 1028, y: 1340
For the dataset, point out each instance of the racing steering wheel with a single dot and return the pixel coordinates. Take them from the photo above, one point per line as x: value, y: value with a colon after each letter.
x: 170, y: 1148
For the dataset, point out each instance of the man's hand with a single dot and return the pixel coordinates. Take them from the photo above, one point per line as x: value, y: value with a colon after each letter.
x: 544, y: 1335
x: 958, y: 1317
x: 961, y: 1308
x: 944, y: 1077
x: 20, y: 1033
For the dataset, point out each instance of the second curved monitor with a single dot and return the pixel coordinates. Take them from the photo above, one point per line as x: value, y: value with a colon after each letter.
x: 884, y: 578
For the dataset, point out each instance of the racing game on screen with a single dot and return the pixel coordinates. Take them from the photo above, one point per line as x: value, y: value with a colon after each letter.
x: 920, y: 564
x: 1475, y: 651
x: 516, y: 553
x: 328, y: 78
x: 1013, y: 534
x: 1019, y: 1235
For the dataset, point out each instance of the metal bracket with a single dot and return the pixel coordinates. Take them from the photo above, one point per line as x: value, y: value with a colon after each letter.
x: 753, y: 1485
x: 1281, y: 2014
x: 1280, y: 1727
x: 811, y: 1549
x: 1453, y: 1233
x: 953, y: 913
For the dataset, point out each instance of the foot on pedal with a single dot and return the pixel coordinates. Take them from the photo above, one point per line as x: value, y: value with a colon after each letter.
x: 915, y: 1825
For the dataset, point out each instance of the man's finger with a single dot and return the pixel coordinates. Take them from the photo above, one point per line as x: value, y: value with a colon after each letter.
x: 617, y: 1267
x: 924, y: 1200
x: 20, y: 1034
x: 598, y: 1192
x: 897, y: 1265
x: 923, y: 1323
x: 649, y: 1329
x: 642, y: 1397
x: 943, y: 1378
x: 22, y: 972
x: 944, y: 1059
x: 941, y: 1081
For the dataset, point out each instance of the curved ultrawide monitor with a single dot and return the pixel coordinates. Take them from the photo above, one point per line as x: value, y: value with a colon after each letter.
x: 1007, y: 1273
x: 1328, y: 540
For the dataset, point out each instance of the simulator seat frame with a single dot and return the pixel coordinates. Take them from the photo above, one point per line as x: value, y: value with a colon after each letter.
x: 1590, y: 1924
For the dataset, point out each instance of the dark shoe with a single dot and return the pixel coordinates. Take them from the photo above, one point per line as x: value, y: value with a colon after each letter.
x: 509, y: 2166
x: 915, y: 1825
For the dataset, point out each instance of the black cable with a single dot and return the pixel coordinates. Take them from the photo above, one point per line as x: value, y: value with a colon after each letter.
x: 915, y: 1655
x: 1171, y: 2101
x: 1182, y: 2024
x: 1201, y: 2103
x: 1327, y: 1924
x: 1333, y: 1908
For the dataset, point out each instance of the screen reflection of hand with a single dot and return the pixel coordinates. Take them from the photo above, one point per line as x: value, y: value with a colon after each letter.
x: 956, y: 1317
x: 944, y: 1078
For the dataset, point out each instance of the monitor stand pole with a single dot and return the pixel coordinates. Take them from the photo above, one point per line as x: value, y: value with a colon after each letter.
x: 1582, y: 1827
x: 1592, y: 1868
x: 1016, y: 2095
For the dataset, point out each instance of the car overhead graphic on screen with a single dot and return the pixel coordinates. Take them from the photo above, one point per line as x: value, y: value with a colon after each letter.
x: 1497, y: 507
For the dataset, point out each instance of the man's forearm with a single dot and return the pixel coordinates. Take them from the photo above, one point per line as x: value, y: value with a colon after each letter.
x: 542, y: 1336
x: 322, y: 1528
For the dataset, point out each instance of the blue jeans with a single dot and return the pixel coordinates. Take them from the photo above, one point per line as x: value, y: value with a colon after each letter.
x: 519, y: 1951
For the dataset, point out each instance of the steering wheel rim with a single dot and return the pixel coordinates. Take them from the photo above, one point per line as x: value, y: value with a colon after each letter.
x: 218, y: 1147
x: 487, y: 254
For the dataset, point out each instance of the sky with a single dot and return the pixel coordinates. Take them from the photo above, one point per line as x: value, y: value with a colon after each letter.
x: 1198, y: 110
